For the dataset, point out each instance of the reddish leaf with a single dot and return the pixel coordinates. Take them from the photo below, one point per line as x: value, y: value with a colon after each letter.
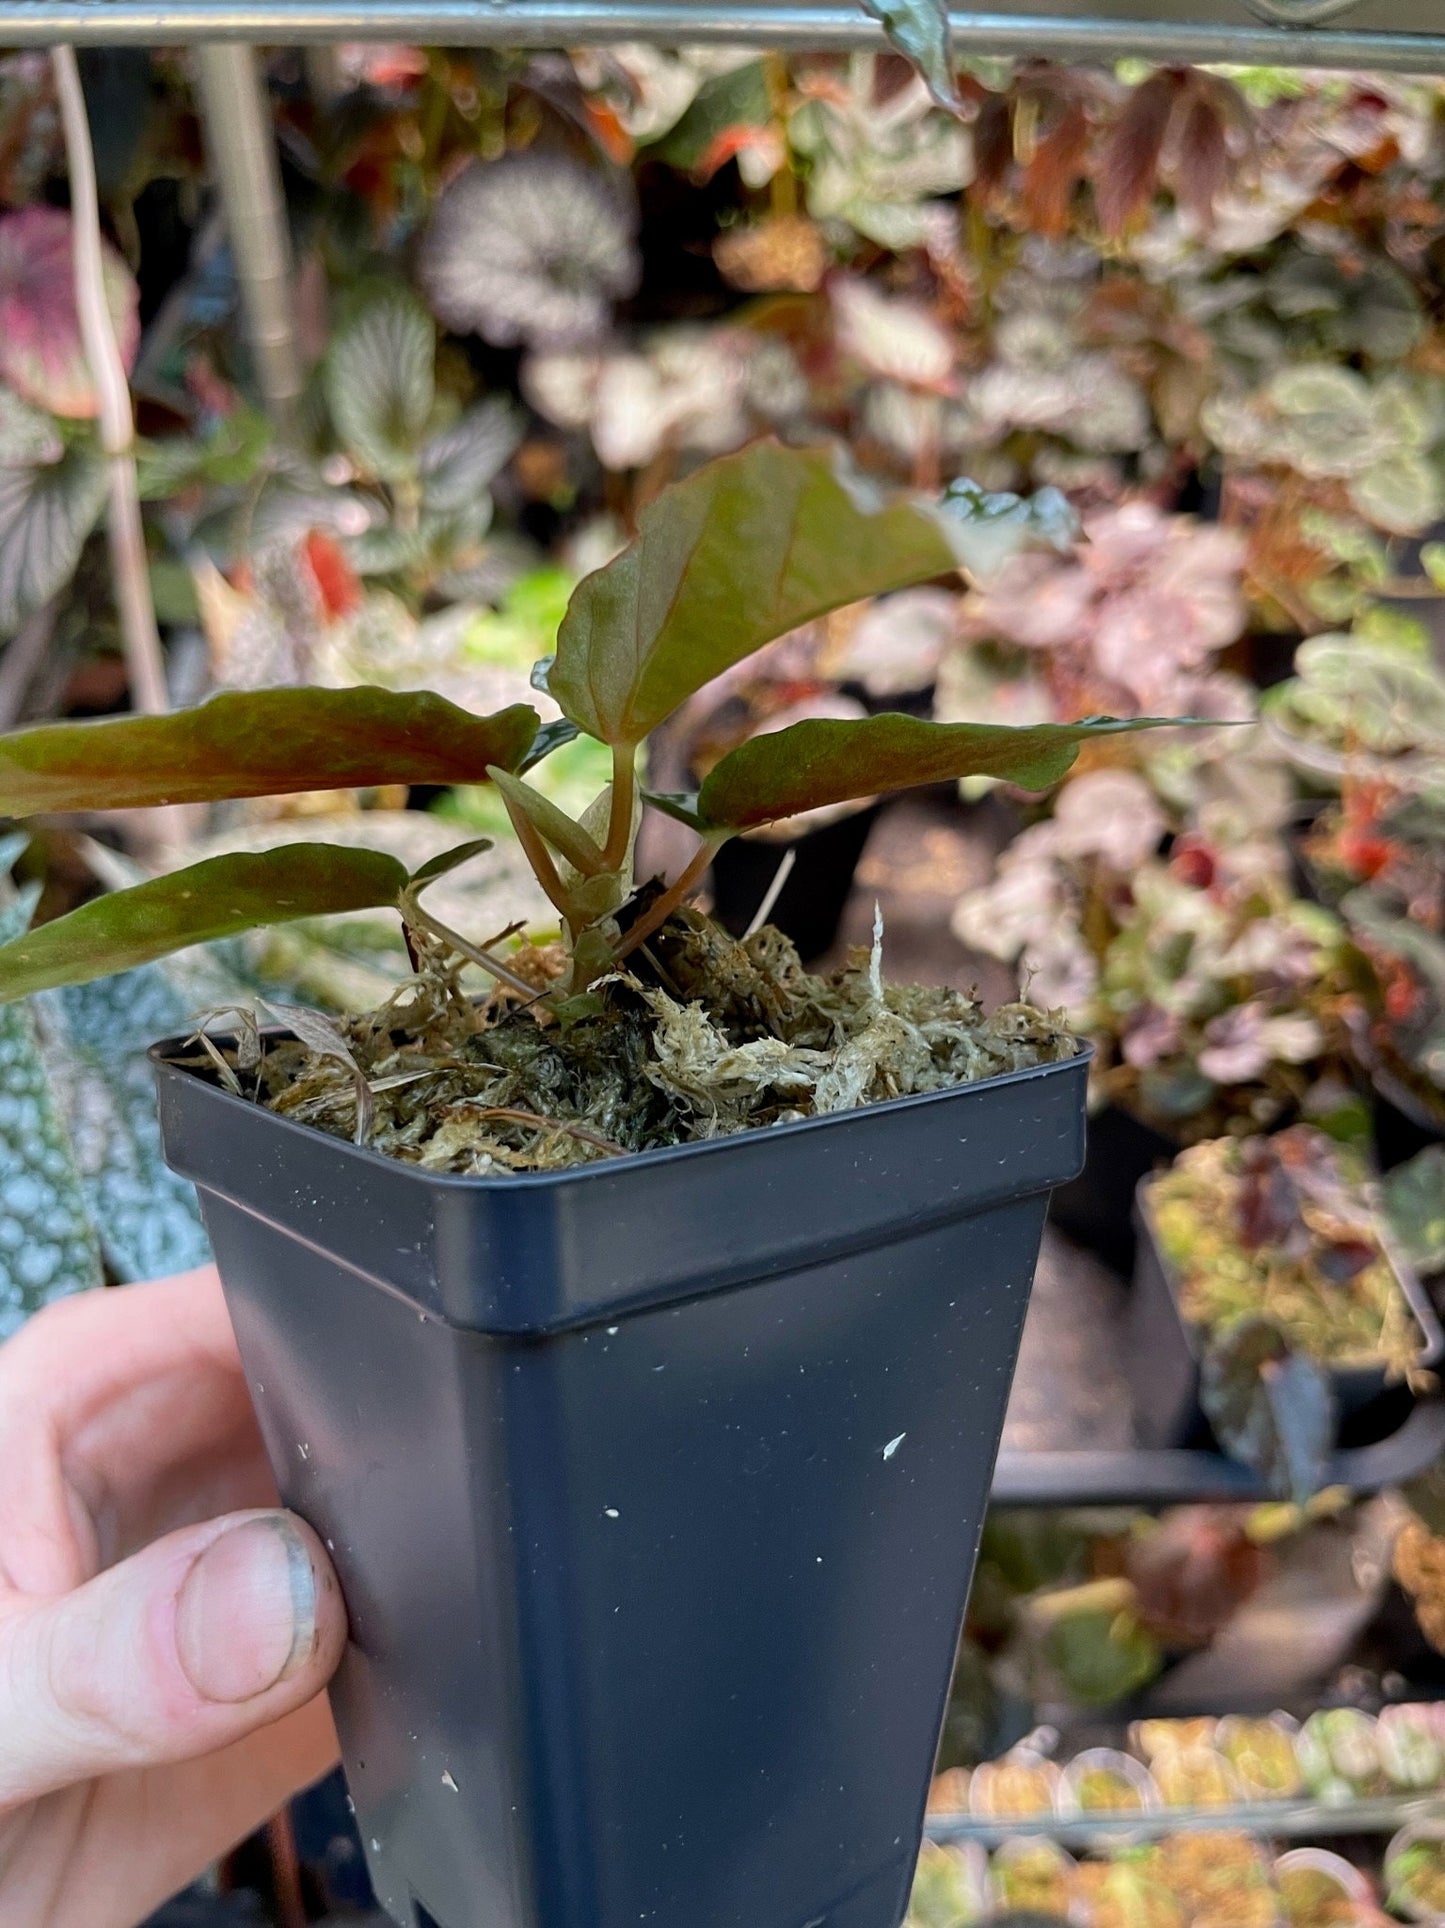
x: 213, y: 899
x: 993, y: 147
x: 257, y: 743
x: 41, y: 355
x: 824, y: 761
x: 1055, y: 169
x: 1127, y: 171
x: 1199, y: 165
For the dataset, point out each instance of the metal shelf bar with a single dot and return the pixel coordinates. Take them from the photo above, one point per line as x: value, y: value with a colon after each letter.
x: 552, y: 23
x: 1170, y: 1476
x: 1280, y: 1819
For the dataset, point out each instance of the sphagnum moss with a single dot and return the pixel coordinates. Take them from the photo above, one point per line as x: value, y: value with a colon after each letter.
x: 705, y: 1036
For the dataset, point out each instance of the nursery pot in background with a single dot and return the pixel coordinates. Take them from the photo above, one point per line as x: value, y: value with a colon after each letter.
x: 810, y: 905
x: 654, y: 1487
x: 1164, y: 1359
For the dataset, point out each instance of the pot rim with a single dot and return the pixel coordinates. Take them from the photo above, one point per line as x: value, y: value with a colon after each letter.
x: 164, y: 1053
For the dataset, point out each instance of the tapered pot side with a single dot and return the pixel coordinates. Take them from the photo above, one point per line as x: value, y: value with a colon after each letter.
x: 654, y: 1487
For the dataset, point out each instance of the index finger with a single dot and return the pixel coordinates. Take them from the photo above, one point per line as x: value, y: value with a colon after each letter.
x: 108, y: 1401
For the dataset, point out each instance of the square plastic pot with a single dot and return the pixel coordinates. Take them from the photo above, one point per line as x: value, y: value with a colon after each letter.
x: 1164, y: 1359
x: 654, y: 1487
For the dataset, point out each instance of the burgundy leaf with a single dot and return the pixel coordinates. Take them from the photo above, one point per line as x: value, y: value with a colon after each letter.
x: 993, y: 147
x: 1199, y: 164
x: 1128, y: 165
x: 1055, y: 168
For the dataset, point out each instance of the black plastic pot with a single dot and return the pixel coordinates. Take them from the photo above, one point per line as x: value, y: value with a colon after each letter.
x: 654, y: 1487
x: 810, y: 905
x: 1163, y: 1360
x: 1096, y: 1209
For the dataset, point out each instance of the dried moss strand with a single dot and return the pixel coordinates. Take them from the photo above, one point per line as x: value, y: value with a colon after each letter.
x: 515, y: 1116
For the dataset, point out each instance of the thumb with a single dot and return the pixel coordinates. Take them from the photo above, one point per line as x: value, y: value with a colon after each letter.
x: 187, y: 1646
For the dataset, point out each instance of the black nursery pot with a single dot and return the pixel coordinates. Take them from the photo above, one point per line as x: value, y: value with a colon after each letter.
x: 1096, y: 1209
x: 1163, y: 1360
x: 654, y: 1487
x: 810, y: 905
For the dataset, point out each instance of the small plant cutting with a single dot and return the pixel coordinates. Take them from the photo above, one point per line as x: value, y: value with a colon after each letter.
x: 630, y: 1465
x: 644, y: 1027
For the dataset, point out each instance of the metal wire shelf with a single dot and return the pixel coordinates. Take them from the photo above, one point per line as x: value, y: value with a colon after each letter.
x: 1282, y: 1820
x: 1389, y: 37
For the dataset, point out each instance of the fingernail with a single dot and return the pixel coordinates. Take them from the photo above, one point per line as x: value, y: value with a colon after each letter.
x: 246, y: 1612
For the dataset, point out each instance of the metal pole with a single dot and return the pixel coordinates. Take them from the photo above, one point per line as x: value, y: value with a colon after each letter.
x: 242, y: 149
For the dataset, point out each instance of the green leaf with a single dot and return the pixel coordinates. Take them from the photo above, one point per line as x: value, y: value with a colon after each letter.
x: 28, y: 438
x: 460, y: 462
x: 919, y: 30
x: 380, y: 385
x: 257, y: 743
x: 1270, y: 1407
x: 746, y: 548
x: 447, y: 860
x: 47, y: 1244
x: 1432, y: 561
x: 563, y: 833
x: 1414, y: 1199
x: 1401, y: 494
x: 825, y: 761
x: 1091, y: 1640
x: 95, y: 1038
x: 216, y: 898
x: 46, y: 512
x: 555, y: 735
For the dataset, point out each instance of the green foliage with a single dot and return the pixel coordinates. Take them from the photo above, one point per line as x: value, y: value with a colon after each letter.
x: 48, y: 1247
x: 919, y: 30
x: 216, y: 898
x: 47, y: 509
x: 380, y: 386
x: 95, y: 1038
x: 1270, y: 1407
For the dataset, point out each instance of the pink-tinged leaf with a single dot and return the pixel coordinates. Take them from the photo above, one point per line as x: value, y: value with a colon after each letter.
x: 1200, y: 164
x: 217, y: 898
x: 257, y: 743
x: 822, y: 762
x: 1128, y: 165
x: 41, y: 355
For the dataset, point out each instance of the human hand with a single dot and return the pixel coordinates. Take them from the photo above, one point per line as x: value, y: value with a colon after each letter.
x: 163, y: 1645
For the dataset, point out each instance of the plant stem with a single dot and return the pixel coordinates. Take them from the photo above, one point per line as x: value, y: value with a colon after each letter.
x: 663, y: 906
x: 624, y: 806
x: 538, y: 856
x: 130, y: 570
x: 465, y: 948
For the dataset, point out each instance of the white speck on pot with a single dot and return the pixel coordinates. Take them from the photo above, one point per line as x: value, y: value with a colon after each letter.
x: 303, y: 1449
x: 375, y: 1845
x: 331, y: 1546
x: 612, y: 1512
x: 892, y: 1447
x: 447, y: 1781
x: 612, y: 1331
